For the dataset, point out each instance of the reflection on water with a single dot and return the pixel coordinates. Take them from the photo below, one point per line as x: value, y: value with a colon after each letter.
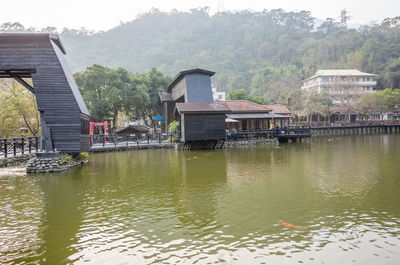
x: 225, y: 207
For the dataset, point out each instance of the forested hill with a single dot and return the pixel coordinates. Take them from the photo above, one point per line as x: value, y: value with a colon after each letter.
x: 258, y: 51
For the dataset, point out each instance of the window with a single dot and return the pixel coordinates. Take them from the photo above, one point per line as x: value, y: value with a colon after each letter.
x: 85, y: 125
x: 375, y: 116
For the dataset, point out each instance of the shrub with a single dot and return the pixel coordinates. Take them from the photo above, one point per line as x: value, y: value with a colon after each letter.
x: 173, y: 128
x: 65, y: 159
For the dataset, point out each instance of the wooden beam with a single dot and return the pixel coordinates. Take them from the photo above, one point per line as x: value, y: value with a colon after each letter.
x: 24, y: 83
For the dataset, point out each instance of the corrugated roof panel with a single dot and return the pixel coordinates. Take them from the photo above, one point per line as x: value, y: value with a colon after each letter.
x: 256, y: 116
x: 200, y: 107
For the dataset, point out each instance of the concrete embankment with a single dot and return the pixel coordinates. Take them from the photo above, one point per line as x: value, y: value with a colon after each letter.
x: 118, y: 148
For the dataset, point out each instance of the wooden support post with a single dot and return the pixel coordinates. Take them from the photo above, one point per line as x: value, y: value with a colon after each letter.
x: 30, y: 145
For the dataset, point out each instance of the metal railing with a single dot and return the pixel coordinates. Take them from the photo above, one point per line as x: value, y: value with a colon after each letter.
x: 18, y: 145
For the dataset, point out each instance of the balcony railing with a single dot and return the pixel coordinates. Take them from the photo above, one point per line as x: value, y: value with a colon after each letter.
x: 346, y: 83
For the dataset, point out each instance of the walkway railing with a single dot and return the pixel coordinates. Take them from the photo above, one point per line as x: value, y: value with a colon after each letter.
x: 18, y: 146
x: 357, y: 123
x: 298, y: 131
x: 251, y: 134
x: 128, y: 139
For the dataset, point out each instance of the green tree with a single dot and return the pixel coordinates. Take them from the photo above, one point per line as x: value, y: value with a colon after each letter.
x: 391, y: 76
x: 144, y: 102
x: 381, y: 101
x: 242, y: 94
x: 102, y: 89
x: 18, y: 109
x: 277, y: 84
x: 316, y: 103
x: 238, y: 94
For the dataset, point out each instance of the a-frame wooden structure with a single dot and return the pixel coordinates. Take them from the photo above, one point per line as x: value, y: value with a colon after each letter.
x: 41, y: 56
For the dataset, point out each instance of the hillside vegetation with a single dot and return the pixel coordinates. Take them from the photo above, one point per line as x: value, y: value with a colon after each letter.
x: 266, y: 53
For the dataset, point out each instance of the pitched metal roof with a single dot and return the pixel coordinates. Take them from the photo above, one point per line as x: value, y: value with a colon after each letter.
x: 182, y: 74
x: 202, y: 107
x: 278, y: 109
x: 255, y: 116
x: 21, y: 36
x: 353, y: 72
x: 245, y: 106
x: 339, y: 72
x: 165, y: 96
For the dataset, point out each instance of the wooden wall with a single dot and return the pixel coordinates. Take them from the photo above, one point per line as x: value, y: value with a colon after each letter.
x: 58, y: 98
x: 201, y: 127
x: 198, y: 88
x: 179, y: 90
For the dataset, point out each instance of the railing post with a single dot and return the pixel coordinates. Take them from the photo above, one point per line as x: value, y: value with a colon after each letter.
x: 126, y: 139
x: 15, y: 146
x: 5, y: 148
x: 30, y: 145
x: 137, y: 141
x: 23, y: 145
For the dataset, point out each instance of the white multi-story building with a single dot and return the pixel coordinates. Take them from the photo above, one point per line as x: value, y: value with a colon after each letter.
x: 342, y: 85
x: 218, y: 95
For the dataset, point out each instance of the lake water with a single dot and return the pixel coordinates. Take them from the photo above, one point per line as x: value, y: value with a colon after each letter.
x: 323, y: 201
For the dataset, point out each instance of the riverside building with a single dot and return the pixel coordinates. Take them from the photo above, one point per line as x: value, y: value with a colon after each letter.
x: 343, y: 86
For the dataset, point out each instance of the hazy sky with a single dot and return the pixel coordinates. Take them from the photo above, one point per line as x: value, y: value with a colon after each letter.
x: 106, y: 14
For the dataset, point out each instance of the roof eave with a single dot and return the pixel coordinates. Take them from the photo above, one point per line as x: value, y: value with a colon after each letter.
x: 181, y: 74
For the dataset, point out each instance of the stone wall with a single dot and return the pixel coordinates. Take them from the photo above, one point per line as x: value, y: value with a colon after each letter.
x: 229, y: 144
x: 14, y: 160
x: 42, y: 165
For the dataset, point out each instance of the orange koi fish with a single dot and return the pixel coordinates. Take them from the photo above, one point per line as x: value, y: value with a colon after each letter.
x: 246, y: 172
x: 292, y: 226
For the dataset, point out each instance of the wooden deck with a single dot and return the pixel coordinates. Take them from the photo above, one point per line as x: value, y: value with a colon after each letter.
x: 293, y: 134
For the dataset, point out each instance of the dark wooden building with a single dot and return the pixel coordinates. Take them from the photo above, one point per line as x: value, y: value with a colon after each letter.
x: 41, y: 57
x: 188, y: 86
x: 202, y: 121
x: 189, y: 99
